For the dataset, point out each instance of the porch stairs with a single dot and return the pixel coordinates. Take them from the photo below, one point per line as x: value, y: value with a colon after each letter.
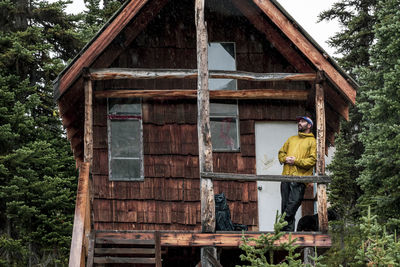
x: 114, y: 251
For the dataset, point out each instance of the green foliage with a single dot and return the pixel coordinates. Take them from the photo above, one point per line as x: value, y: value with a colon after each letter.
x: 366, y: 165
x: 259, y: 252
x: 37, y: 176
x: 352, y: 42
x: 15, y: 250
x: 346, y: 239
x: 378, y: 248
x: 364, y: 244
x: 357, y: 19
x: 380, y: 178
x: 97, y: 14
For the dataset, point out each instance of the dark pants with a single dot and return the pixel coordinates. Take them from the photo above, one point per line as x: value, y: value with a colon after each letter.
x: 292, y: 194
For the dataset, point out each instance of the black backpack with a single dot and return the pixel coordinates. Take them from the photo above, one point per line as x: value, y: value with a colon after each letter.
x: 223, y: 220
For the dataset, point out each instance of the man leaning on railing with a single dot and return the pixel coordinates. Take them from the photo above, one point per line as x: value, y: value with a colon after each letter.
x: 298, y: 156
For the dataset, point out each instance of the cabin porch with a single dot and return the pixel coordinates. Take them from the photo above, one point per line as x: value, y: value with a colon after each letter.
x: 182, y: 248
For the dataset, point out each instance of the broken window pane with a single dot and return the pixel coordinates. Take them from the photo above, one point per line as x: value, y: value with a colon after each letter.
x: 224, y: 134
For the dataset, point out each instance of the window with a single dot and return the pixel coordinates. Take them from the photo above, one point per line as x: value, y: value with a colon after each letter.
x: 125, y: 145
x: 223, y: 114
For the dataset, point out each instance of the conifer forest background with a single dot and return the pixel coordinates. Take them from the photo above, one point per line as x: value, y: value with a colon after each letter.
x: 38, y: 179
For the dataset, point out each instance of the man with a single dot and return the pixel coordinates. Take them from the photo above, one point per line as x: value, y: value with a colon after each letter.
x: 298, y: 154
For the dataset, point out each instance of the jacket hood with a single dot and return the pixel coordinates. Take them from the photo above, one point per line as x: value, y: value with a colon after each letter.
x: 306, y: 134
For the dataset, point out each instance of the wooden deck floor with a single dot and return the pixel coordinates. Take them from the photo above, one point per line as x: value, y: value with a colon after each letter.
x: 219, y: 239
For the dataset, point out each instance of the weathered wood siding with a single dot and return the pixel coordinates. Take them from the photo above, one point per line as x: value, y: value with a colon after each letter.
x: 169, y: 197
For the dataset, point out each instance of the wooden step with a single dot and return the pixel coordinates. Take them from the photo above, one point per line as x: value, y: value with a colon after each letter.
x: 121, y: 251
x: 118, y: 241
x: 114, y: 250
x: 124, y: 260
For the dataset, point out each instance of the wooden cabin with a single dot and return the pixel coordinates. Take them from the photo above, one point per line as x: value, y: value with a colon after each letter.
x: 175, y: 101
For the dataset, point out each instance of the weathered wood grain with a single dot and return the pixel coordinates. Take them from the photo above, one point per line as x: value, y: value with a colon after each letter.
x: 219, y: 239
x: 129, y: 73
x: 320, y: 166
x: 278, y: 94
x: 272, y: 178
x: 76, y: 251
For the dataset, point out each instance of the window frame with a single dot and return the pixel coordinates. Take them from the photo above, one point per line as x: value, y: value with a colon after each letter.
x: 227, y: 116
x: 125, y: 117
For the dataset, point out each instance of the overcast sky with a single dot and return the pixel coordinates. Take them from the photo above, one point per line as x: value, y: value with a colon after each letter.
x: 305, y: 12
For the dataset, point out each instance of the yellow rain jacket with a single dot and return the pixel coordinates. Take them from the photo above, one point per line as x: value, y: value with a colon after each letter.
x: 304, y: 148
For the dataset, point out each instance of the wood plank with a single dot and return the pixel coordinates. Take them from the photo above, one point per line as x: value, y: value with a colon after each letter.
x: 99, y: 44
x: 306, y: 47
x: 121, y: 260
x: 88, y: 130
x: 277, y: 94
x: 88, y: 156
x: 203, y: 122
x: 128, y: 73
x: 322, y: 179
x: 90, y: 256
x: 234, y: 239
x: 118, y: 241
x: 76, y: 252
x: 124, y: 251
x: 157, y: 239
x: 320, y: 167
x: 219, y: 239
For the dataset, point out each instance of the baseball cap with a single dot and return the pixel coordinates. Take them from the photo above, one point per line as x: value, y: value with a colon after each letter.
x: 307, y: 119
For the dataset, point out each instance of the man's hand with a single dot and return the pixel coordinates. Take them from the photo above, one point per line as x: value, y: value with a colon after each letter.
x: 290, y: 160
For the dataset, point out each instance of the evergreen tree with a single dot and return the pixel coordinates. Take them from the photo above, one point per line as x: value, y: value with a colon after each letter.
x: 380, y: 177
x: 97, y: 14
x: 37, y: 176
x: 357, y: 19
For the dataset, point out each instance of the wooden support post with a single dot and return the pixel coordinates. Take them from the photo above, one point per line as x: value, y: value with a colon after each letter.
x: 320, y: 168
x: 88, y: 156
x: 88, y: 131
x: 204, y: 134
x: 203, y: 124
x: 309, y: 253
x: 157, y: 241
x: 76, y: 256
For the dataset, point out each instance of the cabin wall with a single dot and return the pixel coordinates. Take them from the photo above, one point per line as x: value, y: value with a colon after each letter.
x: 169, y: 196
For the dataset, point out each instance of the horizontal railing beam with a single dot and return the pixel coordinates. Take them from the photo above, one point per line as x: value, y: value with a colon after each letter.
x: 323, y: 179
x: 129, y: 73
x: 278, y: 94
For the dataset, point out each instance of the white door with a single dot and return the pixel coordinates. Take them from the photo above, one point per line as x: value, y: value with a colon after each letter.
x: 270, y: 137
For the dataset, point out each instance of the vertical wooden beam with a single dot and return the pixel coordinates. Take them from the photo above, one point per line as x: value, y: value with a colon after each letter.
x: 320, y: 168
x: 203, y: 124
x: 76, y: 252
x: 204, y: 134
x: 309, y: 253
x: 88, y: 131
x: 88, y: 154
x: 157, y: 239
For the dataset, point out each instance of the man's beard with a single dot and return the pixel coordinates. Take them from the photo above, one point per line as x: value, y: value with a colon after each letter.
x: 302, y: 129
